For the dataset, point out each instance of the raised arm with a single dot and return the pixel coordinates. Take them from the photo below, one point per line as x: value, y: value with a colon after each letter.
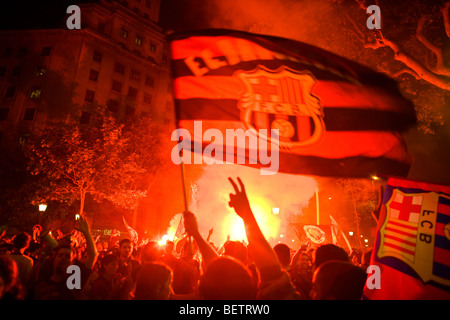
x: 191, y: 227
x: 263, y: 254
x: 92, y: 253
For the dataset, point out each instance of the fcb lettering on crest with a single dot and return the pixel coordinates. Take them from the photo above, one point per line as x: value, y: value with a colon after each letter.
x: 281, y: 99
x: 414, y: 232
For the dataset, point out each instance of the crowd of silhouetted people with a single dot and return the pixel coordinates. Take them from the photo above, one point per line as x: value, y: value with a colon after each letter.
x: 34, y: 266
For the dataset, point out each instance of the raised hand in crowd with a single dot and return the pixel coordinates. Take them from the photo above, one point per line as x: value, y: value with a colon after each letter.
x: 191, y: 227
x: 275, y: 283
x: 262, y: 251
x: 92, y: 253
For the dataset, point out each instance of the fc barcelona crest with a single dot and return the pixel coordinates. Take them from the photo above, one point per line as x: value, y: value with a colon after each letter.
x: 414, y: 232
x: 281, y: 99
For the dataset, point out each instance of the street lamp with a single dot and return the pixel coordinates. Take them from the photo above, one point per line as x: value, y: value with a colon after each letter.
x: 42, y: 207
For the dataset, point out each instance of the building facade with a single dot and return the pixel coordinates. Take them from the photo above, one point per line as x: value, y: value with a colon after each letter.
x: 119, y: 58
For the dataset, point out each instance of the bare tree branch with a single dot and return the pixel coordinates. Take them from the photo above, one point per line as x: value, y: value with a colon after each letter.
x: 421, y: 37
x: 440, y: 68
x: 402, y: 71
x: 440, y: 81
x: 438, y: 76
x: 446, y: 16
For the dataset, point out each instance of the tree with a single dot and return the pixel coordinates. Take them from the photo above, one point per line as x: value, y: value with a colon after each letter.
x: 105, y: 159
x: 412, y: 47
x: 363, y: 200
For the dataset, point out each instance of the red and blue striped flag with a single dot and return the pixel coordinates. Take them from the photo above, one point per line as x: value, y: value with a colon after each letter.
x: 412, y: 247
x: 335, y: 117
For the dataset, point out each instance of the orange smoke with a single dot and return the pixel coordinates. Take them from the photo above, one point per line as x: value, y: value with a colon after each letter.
x: 209, y: 197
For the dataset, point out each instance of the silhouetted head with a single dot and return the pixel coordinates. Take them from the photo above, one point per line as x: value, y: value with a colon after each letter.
x: 125, y: 248
x: 153, y: 282
x: 328, y: 252
x: 109, y: 264
x: 226, y: 278
x: 9, y: 274
x: 22, y: 240
x: 283, y: 253
x: 150, y: 252
x: 235, y: 249
x: 64, y: 256
x: 338, y: 280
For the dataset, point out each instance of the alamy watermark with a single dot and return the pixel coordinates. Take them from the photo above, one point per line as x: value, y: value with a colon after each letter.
x: 253, y: 147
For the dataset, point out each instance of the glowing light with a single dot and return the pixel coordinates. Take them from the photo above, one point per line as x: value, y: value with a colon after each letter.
x: 281, y: 235
x: 275, y: 210
x: 329, y: 198
x: 42, y: 207
x: 234, y: 227
x: 375, y: 178
x: 269, y: 223
x: 366, y: 240
x: 164, y: 240
x: 350, y: 233
x: 77, y: 216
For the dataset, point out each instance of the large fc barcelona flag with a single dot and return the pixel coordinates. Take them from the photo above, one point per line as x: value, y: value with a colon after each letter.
x: 335, y: 117
x: 412, y: 247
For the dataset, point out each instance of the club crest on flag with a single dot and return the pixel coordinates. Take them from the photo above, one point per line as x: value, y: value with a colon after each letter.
x: 314, y: 233
x: 281, y: 99
x: 414, y: 232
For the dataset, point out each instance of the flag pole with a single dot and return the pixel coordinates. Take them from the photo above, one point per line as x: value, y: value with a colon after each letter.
x: 317, y: 206
x: 183, y: 179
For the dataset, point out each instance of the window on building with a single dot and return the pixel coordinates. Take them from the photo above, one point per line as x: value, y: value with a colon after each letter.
x: 10, y: 92
x: 119, y: 68
x: 124, y: 33
x: 7, y: 52
x: 149, y: 81
x: 46, y: 51
x: 117, y: 86
x: 23, y: 51
x: 138, y: 40
x: 132, y: 92
x: 147, y: 98
x: 97, y: 56
x: 4, y: 112
x: 93, y: 75
x: 152, y: 47
x: 135, y: 75
x: 2, y: 71
x: 29, y: 114
x: 89, y: 96
x: 35, y: 93
x: 41, y: 70
x: 113, y: 105
x: 17, y: 71
x: 85, y: 117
